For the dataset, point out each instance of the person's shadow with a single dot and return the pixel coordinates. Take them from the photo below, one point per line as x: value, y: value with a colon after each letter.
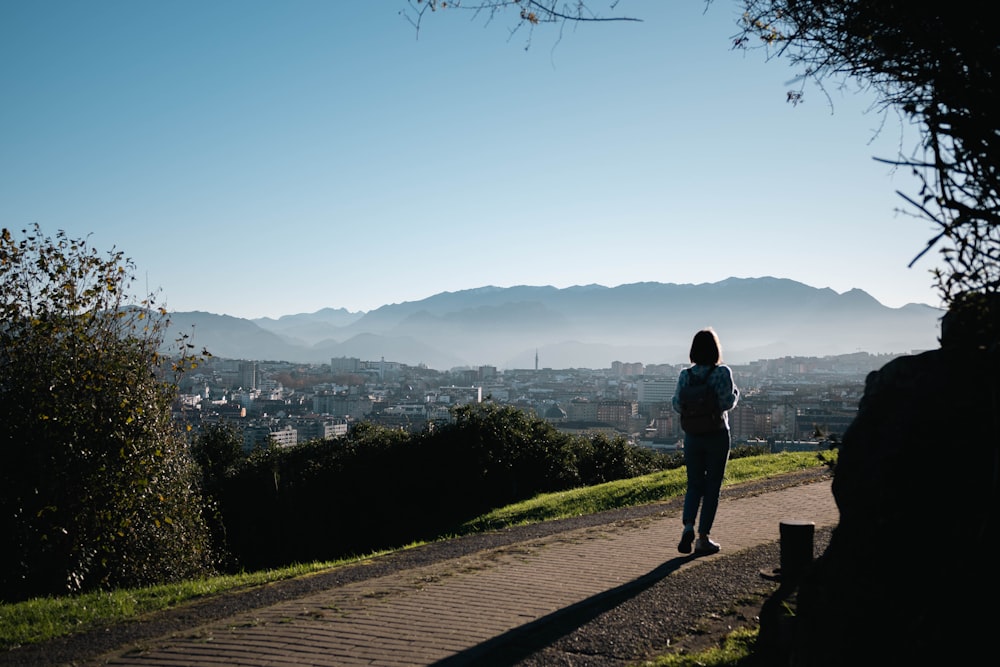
x: 518, y: 643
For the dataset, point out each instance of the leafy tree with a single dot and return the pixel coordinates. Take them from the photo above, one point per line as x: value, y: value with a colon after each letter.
x: 936, y: 64
x: 218, y: 450
x: 378, y: 487
x: 514, y: 454
x: 325, y: 498
x: 97, y: 488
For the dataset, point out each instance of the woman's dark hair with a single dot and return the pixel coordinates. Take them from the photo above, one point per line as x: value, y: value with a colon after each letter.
x: 705, y: 348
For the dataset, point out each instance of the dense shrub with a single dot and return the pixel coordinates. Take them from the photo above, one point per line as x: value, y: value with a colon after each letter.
x: 217, y: 450
x: 740, y: 451
x: 378, y: 487
x: 321, y: 499
x: 96, y: 486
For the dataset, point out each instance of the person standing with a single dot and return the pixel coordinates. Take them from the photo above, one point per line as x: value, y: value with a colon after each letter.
x: 706, y: 437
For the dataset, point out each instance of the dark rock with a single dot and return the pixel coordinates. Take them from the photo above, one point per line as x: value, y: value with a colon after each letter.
x: 911, y: 562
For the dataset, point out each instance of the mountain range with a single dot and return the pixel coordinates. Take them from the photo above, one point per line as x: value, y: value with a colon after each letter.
x: 587, y: 326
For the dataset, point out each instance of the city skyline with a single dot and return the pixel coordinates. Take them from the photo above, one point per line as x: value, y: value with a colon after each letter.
x: 261, y: 159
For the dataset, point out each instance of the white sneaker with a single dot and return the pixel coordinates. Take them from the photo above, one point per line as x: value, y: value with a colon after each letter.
x: 705, y: 545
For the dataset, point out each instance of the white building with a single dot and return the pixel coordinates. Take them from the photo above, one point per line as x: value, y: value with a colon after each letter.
x: 653, y: 390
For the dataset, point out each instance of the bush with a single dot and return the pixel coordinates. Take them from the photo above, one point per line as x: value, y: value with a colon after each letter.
x: 378, y: 487
x: 217, y: 450
x: 96, y: 488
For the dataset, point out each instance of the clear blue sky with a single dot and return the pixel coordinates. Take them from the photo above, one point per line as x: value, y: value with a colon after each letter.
x: 262, y: 158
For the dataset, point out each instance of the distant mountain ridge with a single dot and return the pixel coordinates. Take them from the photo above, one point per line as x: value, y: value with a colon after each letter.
x: 587, y: 326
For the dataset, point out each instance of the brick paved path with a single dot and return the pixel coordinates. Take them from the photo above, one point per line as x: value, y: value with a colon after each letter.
x: 430, y: 614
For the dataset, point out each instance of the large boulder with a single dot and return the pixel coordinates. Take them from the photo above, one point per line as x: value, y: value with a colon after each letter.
x: 910, y: 574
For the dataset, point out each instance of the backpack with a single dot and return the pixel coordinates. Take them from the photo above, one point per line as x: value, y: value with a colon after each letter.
x: 700, y: 411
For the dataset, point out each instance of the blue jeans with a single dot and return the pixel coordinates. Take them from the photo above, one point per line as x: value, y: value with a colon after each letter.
x: 706, y: 457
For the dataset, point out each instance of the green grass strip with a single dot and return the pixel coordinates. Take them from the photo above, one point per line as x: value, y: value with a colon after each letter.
x: 636, y: 491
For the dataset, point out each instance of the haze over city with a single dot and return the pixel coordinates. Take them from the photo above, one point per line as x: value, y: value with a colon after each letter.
x: 259, y: 159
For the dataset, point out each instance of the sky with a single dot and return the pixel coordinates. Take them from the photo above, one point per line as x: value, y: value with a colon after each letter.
x: 258, y: 158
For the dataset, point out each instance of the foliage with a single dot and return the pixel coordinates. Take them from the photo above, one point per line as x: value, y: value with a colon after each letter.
x: 515, y: 455
x: 97, y: 489
x: 379, y: 487
x: 323, y: 499
x: 936, y: 63
x: 217, y: 450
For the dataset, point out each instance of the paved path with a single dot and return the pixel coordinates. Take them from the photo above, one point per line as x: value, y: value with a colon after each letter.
x: 441, y: 613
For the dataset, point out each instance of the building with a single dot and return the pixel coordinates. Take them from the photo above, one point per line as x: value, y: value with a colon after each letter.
x: 554, y: 414
x: 269, y: 435
x: 249, y: 377
x: 453, y: 395
x: 581, y: 410
x: 345, y: 364
x: 743, y: 423
x: 626, y: 369
x: 655, y: 390
x: 342, y: 404
x: 320, y: 428
x: 620, y: 414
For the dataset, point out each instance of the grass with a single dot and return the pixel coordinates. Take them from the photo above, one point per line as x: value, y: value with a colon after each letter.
x: 736, y: 648
x: 41, y: 619
x: 627, y: 493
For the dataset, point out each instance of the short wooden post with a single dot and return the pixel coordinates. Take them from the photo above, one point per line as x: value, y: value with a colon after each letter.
x: 796, y: 549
